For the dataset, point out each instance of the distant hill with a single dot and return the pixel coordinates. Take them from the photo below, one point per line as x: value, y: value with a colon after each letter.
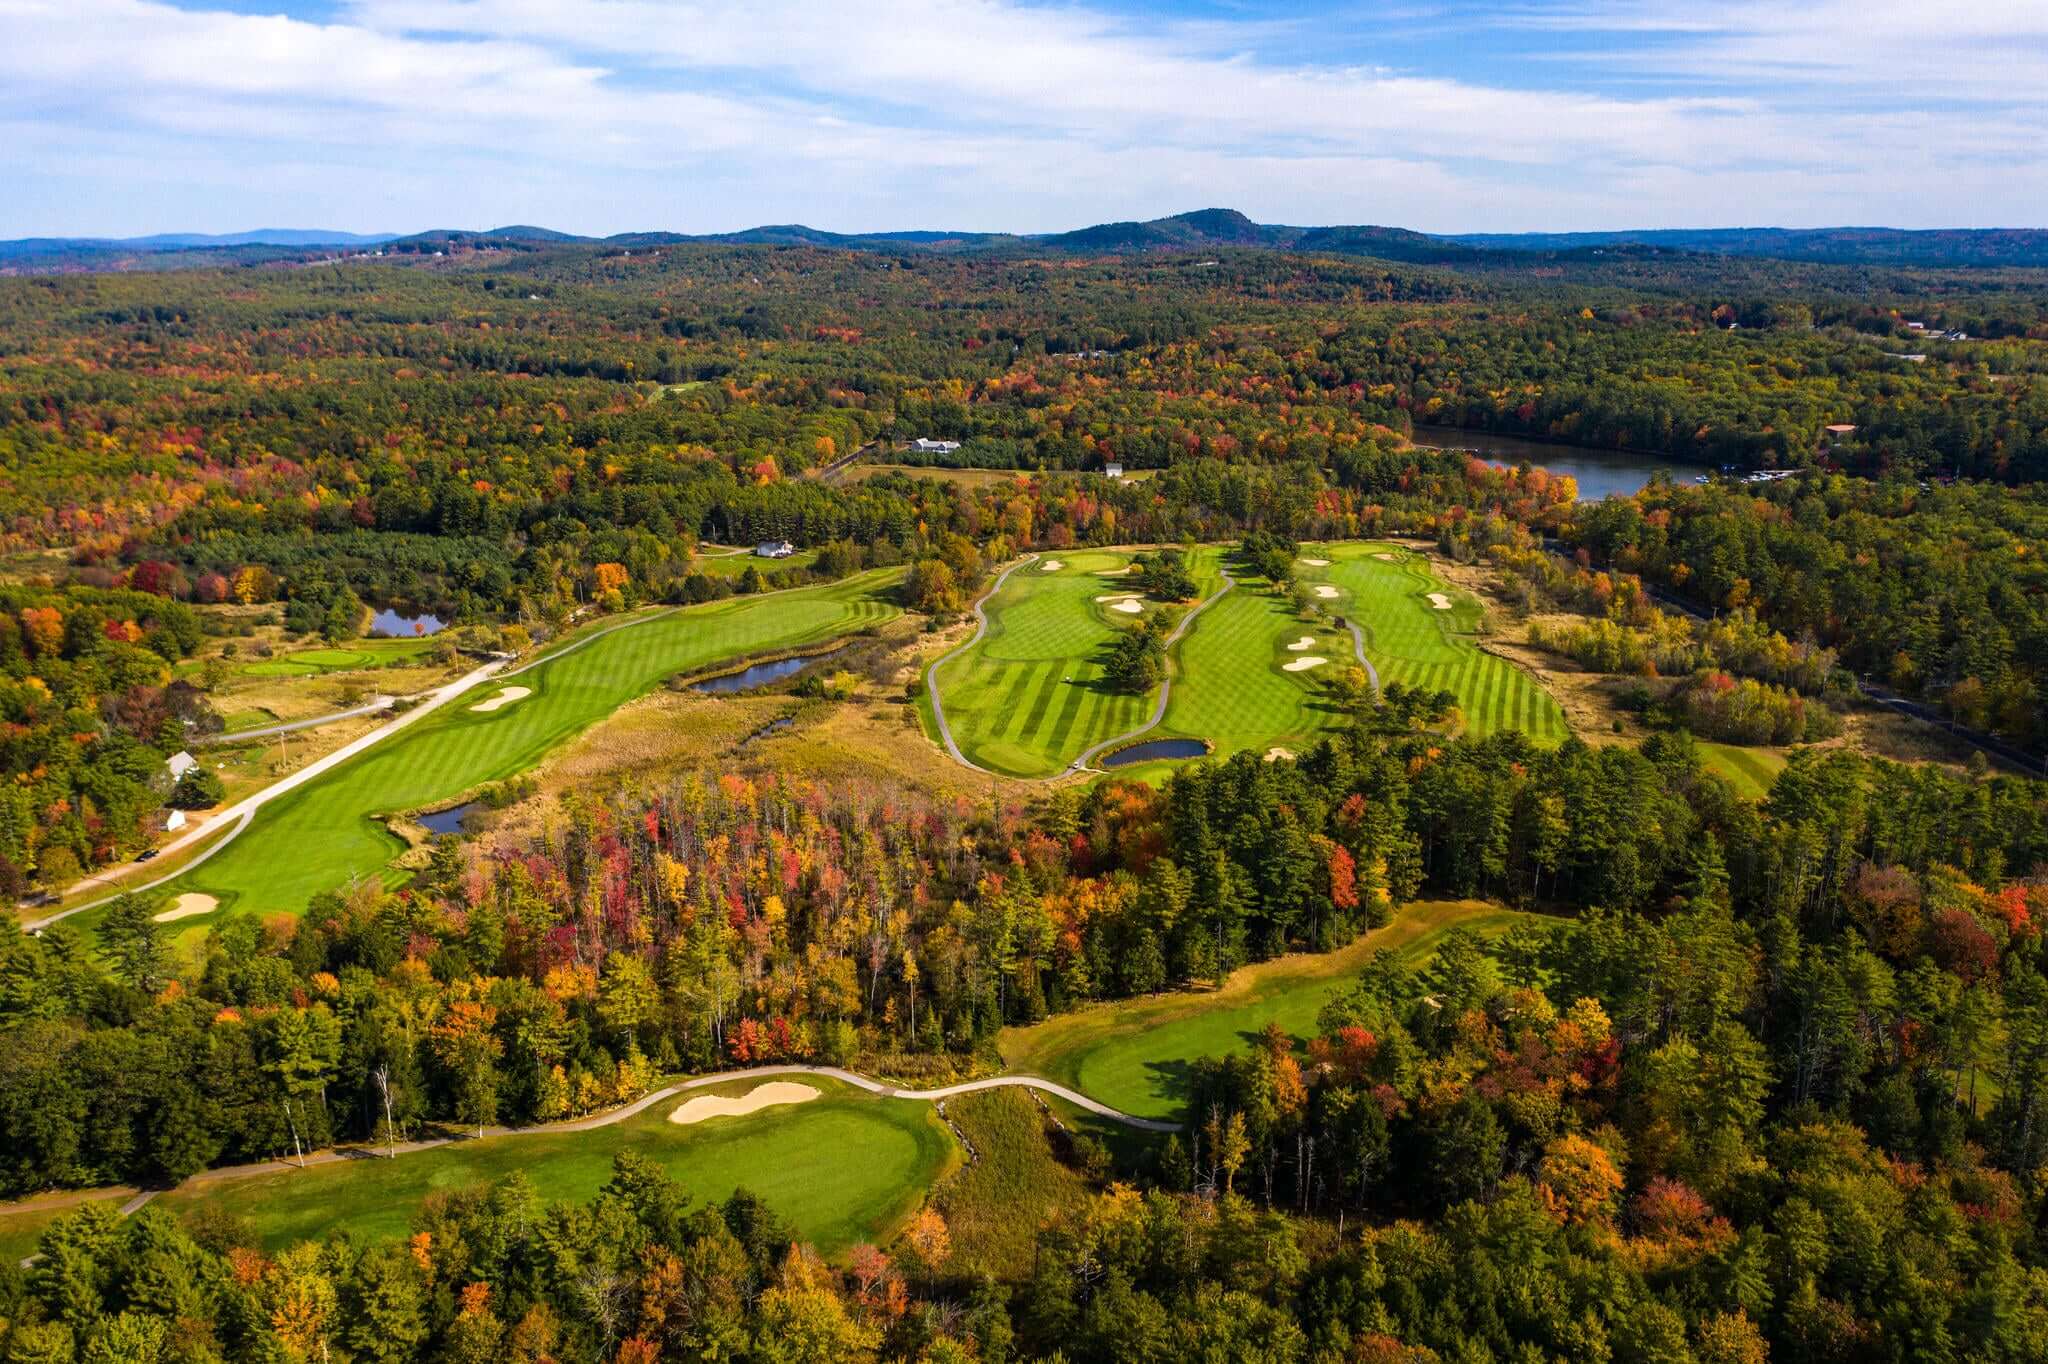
x: 1202, y: 230
x: 1835, y: 245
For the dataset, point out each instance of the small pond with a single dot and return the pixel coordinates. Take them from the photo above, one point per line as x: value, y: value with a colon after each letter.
x: 1156, y: 750
x: 449, y: 821
x: 1599, y: 473
x: 759, y: 675
x: 389, y: 623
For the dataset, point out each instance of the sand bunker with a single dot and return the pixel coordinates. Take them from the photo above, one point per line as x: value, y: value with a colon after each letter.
x: 187, y: 906
x: 505, y: 697
x: 1317, y: 563
x: 1439, y: 601
x: 1300, y: 665
x: 1116, y: 572
x: 1274, y: 755
x: 1390, y: 558
x: 759, y: 1097
x: 1130, y: 606
x: 1052, y: 566
x: 1306, y: 641
x: 1325, y: 590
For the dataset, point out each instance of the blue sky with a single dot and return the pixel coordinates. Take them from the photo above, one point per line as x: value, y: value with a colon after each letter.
x: 122, y: 117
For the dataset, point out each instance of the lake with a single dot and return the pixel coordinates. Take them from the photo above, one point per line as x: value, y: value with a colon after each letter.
x: 389, y: 623
x: 1599, y: 473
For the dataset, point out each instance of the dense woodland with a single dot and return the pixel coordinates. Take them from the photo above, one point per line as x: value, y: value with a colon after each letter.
x: 1761, y: 1080
x: 1741, y: 1082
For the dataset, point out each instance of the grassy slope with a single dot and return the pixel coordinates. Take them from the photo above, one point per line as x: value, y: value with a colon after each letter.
x: 1009, y: 700
x: 1412, y: 642
x: 845, y: 1167
x: 1751, y: 770
x: 995, y: 1207
x: 1134, y: 1054
x: 320, y: 836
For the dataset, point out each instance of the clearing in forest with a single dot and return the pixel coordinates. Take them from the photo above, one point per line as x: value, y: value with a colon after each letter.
x: 1029, y: 696
x: 847, y: 1166
x: 322, y: 835
x: 1136, y: 1055
x: 1420, y: 631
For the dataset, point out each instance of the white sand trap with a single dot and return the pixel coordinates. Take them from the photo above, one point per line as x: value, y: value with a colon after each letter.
x: 1317, y: 563
x: 1052, y: 566
x: 188, y: 905
x: 1116, y: 572
x: 1302, y: 665
x: 1305, y: 642
x: 505, y: 697
x: 1274, y: 755
x: 759, y: 1097
x: 1390, y: 558
x: 1130, y: 606
x: 1439, y: 601
x: 1325, y: 590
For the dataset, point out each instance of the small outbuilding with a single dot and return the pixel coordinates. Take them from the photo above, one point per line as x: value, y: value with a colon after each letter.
x: 179, y: 764
x: 1113, y: 470
x: 774, y: 549
x: 174, y: 821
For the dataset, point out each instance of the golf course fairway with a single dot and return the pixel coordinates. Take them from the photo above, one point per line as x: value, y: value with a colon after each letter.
x: 1028, y: 696
x: 1135, y: 1054
x: 845, y: 1167
x: 1231, y: 684
x: 1419, y: 631
x: 322, y: 835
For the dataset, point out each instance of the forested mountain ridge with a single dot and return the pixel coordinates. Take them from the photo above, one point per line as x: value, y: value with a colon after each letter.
x: 1974, y: 247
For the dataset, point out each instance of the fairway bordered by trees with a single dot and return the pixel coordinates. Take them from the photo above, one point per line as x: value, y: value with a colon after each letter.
x: 323, y: 835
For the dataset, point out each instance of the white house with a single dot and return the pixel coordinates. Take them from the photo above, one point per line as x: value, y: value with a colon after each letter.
x: 774, y: 549
x: 934, y: 447
x: 174, y: 821
x: 1113, y: 470
x: 179, y: 764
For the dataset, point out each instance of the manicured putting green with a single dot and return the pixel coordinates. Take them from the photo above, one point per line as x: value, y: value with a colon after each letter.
x: 1136, y: 1054
x: 321, y: 835
x: 1029, y: 697
x: 845, y: 1167
x: 1414, y: 640
x: 369, y: 653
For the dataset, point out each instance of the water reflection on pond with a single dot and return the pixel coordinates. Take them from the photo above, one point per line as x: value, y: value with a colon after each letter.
x: 1156, y: 750
x: 1599, y: 473
x: 759, y: 675
x: 449, y: 821
x: 389, y: 623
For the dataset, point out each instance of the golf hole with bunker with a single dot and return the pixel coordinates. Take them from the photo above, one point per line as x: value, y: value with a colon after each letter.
x: 770, y: 1095
x: 505, y: 697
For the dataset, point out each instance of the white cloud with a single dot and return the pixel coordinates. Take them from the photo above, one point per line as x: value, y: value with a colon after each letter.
x: 610, y: 114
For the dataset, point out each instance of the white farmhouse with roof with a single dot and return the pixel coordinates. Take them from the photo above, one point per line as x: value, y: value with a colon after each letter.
x: 934, y: 447
x: 179, y: 764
